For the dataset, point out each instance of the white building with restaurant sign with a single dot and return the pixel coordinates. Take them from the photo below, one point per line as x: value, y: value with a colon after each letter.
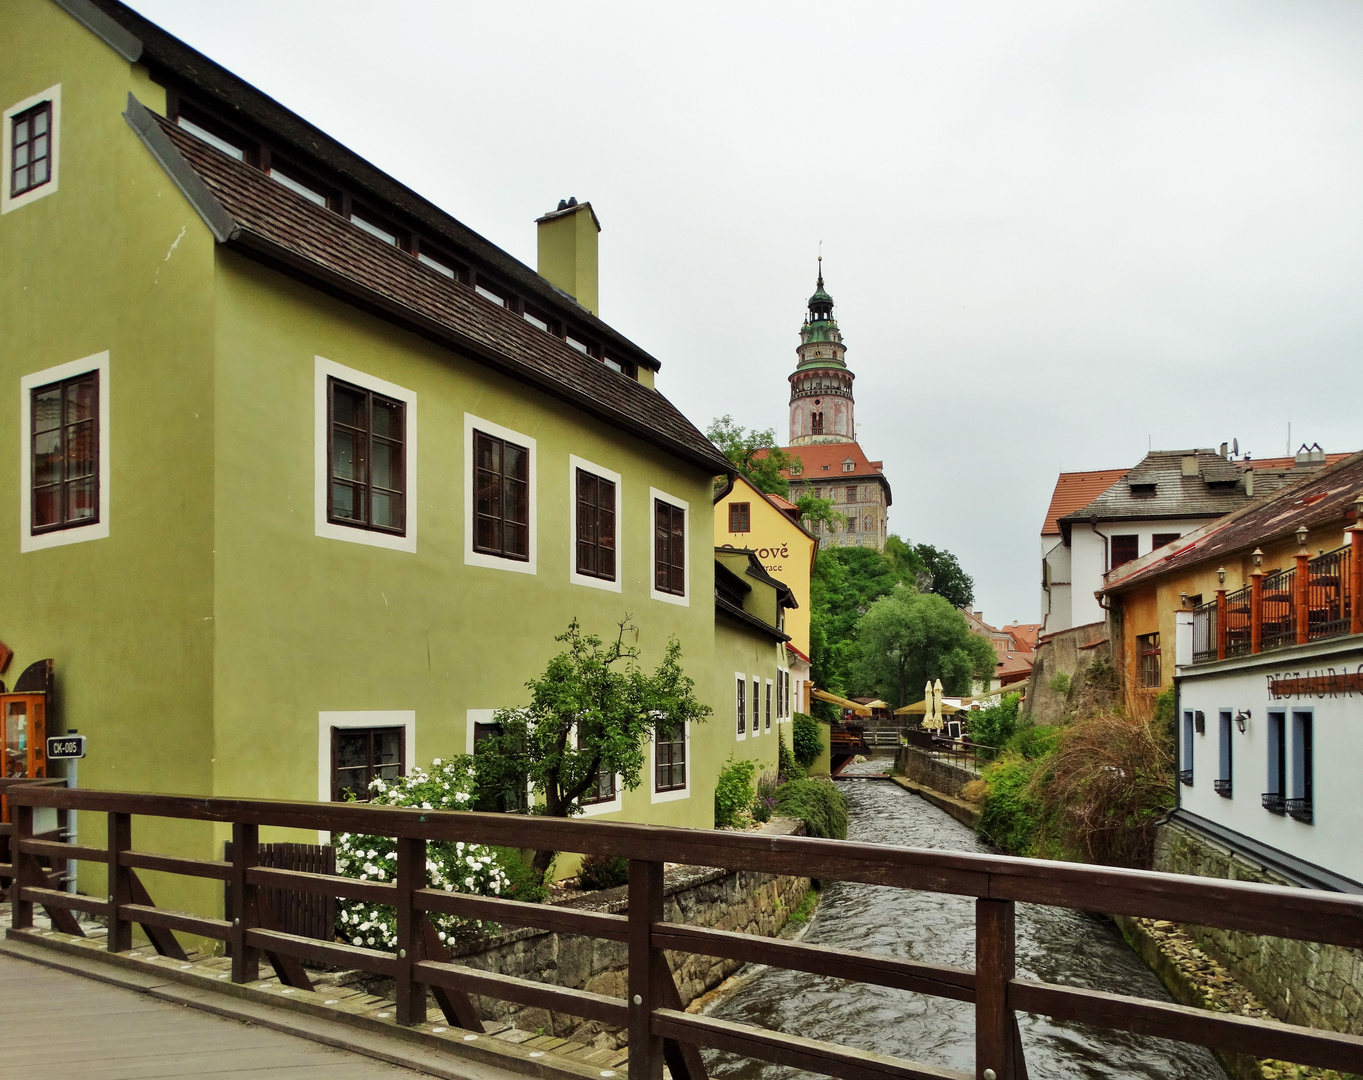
x: 1270, y: 756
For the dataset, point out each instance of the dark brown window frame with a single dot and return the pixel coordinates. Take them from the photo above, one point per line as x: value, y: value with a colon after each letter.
x: 1158, y: 540
x: 500, y: 549
x: 594, y: 796
x: 43, y: 109
x: 1148, y: 649
x: 372, y: 733
x: 669, y: 748
x: 367, y: 485
x: 592, y: 516
x: 669, y: 574
x: 741, y: 689
x: 63, y: 486
x: 740, y: 517
x: 767, y: 725
x: 1129, y: 540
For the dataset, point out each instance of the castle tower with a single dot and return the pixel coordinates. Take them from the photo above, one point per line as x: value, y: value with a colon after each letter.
x: 828, y: 461
x: 821, y: 405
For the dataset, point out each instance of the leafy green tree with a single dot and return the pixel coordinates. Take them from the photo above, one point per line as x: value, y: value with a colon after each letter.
x: 907, y: 638
x: 753, y: 453
x: 590, y: 712
x: 948, y: 580
x: 815, y: 511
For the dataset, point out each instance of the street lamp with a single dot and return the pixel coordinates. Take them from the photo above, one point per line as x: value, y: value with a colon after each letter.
x: 1258, y: 558
x: 1301, y: 535
x: 1221, y: 575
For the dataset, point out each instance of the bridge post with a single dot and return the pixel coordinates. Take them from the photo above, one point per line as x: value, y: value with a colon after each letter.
x: 995, y: 965
x: 21, y: 911
x: 647, y: 969
x: 120, y: 937
x: 244, y: 914
x: 411, y: 875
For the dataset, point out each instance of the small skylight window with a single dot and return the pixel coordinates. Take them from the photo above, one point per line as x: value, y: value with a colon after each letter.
x: 535, y: 320
x: 374, y: 230
x: 848, y: 466
x: 213, y: 140
x: 488, y: 294
x: 573, y: 343
x: 435, y: 264
x: 614, y: 365
x: 311, y: 194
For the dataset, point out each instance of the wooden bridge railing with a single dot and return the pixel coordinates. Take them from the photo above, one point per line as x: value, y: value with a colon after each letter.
x: 658, y: 1027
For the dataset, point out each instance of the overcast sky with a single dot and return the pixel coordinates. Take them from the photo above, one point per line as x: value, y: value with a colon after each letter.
x: 1056, y: 233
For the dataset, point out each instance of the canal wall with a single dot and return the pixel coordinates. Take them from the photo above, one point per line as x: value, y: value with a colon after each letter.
x: 932, y: 772
x: 1300, y: 982
x: 740, y: 901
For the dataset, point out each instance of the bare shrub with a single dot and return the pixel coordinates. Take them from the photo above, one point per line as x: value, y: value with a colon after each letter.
x: 1108, y: 783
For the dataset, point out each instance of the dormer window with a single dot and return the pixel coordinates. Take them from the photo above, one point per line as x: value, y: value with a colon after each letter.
x: 310, y: 190
x: 376, y: 227
x: 1142, y: 490
x: 213, y: 139
x: 487, y: 294
x: 849, y: 465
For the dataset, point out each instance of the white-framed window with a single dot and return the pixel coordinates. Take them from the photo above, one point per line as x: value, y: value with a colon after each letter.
x: 674, y: 764
x: 77, y: 376
x: 501, y: 518
x: 594, y: 505
x: 330, y: 462
x: 768, y: 705
x: 31, y: 154
x: 755, y: 707
x: 329, y: 724
x: 741, y: 705
x: 669, y: 556
x: 594, y: 807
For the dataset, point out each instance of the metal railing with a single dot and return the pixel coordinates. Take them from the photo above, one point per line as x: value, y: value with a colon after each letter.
x: 1238, y: 622
x: 659, y: 1030
x: 1204, y: 632
x: 1275, y: 802
x: 1328, y: 602
x: 963, y: 754
x: 1279, y: 625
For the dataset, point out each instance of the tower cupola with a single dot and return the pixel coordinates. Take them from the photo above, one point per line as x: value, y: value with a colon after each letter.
x: 821, y: 406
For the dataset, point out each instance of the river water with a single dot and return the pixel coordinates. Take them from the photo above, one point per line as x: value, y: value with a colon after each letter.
x: 1053, y: 945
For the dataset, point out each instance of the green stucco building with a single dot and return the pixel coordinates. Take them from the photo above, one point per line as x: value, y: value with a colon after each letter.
x: 303, y: 474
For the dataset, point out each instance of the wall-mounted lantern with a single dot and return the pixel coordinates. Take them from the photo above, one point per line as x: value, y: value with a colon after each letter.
x: 1301, y: 535
x: 1241, y: 718
x: 1221, y: 575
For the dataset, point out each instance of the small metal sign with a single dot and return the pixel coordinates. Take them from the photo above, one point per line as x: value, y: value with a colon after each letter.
x: 65, y: 747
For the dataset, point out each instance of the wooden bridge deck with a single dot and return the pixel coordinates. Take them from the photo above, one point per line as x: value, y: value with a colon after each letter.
x: 57, y: 1025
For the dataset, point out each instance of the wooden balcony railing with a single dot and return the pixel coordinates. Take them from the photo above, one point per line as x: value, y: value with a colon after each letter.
x: 659, y: 1030
x: 1306, y: 602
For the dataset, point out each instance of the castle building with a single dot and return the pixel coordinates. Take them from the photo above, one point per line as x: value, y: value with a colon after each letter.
x: 829, y: 463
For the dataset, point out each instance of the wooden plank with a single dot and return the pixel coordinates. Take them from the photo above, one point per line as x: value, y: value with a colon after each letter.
x: 411, y: 874
x: 648, y: 969
x: 146, y: 916
x: 794, y: 1050
x: 581, y: 1003
x: 55, y: 849
x: 51, y: 898
x: 1261, y: 1038
x: 120, y: 937
x: 940, y: 980
x: 245, y: 853
x: 517, y: 913
x: 171, y: 864
x: 683, y: 1059
x: 995, y: 966
x: 323, y: 952
x: 371, y: 892
x: 288, y: 968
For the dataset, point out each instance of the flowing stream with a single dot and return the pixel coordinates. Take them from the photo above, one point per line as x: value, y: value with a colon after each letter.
x: 1053, y: 944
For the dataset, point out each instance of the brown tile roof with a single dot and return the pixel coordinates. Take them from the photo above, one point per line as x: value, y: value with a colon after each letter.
x: 1025, y: 634
x: 1323, y: 497
x: 1076, y: 489
x: 271, y: 223
x: 1284, y: 462
x: 822, y: 463
x: 175, y: 64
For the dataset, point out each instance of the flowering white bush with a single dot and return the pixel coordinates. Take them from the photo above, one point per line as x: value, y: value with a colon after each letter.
x: 454, y: 867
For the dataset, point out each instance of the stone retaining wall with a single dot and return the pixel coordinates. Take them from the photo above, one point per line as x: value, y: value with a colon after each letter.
x: 740, y: 901
x: 931, y: 772
x: 1300, y: 982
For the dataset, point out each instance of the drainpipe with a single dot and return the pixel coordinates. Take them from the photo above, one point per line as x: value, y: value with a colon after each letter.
x: 1093, y: 524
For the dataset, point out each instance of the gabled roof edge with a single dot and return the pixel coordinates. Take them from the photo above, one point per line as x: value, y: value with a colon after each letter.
x: 220, y: 223
x: 127, y: 44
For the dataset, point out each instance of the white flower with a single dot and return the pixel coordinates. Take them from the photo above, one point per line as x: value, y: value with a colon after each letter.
x: 469, y: 882
x: 449, y: 887
x: 371, y: 941
x: 461, y: 796
x: 442, y: 935
x: 435, y: 761
x: 427, y: 806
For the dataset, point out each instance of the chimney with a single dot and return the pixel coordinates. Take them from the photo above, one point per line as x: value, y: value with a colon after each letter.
x: 1249, y: 483
x: 567, y: 250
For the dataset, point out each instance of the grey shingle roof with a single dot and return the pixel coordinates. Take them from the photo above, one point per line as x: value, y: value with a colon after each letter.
x: 1217, y: 488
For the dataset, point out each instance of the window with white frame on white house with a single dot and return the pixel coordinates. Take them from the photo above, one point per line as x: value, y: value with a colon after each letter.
x: 1223, y: 776
x: 1302, y: 803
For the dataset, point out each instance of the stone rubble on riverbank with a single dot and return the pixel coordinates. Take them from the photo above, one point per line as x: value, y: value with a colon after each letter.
x: 1220, y: 992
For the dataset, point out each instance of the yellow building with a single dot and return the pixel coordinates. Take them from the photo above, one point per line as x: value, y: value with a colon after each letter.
x: 748, y: 518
